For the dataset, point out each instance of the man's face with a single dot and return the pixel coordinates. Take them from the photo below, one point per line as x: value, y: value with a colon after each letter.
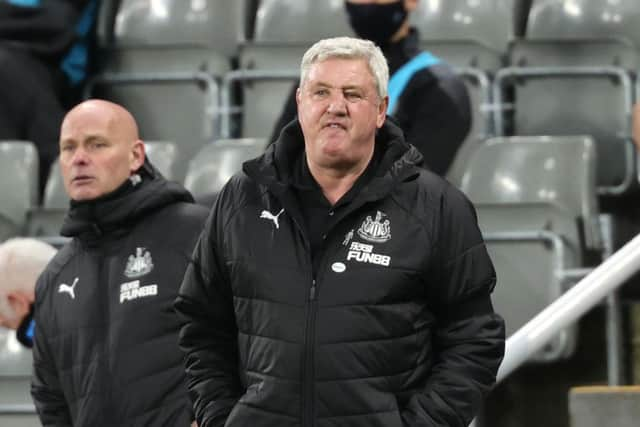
x: 96, y: 157
x: 11, y: 314
x: 339, y: 111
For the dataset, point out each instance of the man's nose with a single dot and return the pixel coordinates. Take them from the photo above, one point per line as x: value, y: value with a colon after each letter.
x: 80, y: 156
x: 337, y: 105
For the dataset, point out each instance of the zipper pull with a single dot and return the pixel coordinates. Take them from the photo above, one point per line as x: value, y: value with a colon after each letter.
x: 312, y: 292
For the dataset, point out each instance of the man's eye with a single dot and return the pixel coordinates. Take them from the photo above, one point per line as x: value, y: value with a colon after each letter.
x: 66, y: 148
x: 353, y: 95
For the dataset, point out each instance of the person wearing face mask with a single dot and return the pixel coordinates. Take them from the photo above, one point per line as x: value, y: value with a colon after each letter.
x: 427, y: 99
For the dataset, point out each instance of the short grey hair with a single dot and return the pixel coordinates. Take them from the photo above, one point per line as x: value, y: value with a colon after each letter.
x: 22, y: 260
x: 348, y: 48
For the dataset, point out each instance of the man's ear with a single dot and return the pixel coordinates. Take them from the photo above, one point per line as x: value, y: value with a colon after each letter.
x: 137, y: 155
x: 382, y: 112
x: 19, y: 302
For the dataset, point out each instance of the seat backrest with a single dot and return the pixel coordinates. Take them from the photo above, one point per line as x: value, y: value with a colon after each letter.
x: 215, y: 163
x: 555, y: 171
x: 596, y: 105
x: 526, y: 189
x: 55, y: 195
x: 163, y: 155
x: 18, y: 183
x: 15, y: 378
x: 562, y: 19
x: 300, y: 21
x: 218, y: 25
x: 488, y: 22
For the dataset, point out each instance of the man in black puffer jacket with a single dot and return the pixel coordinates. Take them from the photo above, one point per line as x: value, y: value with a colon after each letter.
x: 338, y: 283
x: 105, y: 349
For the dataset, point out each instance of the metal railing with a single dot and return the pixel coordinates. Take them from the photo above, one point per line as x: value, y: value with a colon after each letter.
x: 585, y: 295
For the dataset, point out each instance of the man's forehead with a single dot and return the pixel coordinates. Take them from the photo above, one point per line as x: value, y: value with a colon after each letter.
x: 340, y: 71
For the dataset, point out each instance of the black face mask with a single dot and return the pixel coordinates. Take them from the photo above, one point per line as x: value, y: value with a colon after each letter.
x: 376, y: 22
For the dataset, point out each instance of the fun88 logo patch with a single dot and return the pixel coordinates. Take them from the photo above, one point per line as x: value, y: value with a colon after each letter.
x: 132, y: 290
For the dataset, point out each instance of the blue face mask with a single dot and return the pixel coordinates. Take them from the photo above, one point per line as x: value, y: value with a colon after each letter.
x: 376, y: 22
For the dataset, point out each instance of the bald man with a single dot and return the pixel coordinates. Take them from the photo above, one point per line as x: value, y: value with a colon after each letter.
x: 105, y: 349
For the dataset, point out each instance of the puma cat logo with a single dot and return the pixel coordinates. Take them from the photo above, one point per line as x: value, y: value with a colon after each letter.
x: 268, y: 215
x: 68, y: 289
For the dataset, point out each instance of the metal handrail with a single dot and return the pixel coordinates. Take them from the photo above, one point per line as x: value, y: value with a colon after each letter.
x: 17, y: 409
x: 486, y: 104
x: 564, y: 311
x: 618, y: 73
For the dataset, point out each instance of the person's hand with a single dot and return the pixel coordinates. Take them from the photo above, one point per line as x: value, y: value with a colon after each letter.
x: 636, y: 126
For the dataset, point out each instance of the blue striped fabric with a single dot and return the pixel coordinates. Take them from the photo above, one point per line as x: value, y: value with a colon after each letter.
x: 403, y: 75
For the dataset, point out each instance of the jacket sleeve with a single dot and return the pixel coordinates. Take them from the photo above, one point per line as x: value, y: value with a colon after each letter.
x: 45, y: 385
x: 208, y: 336
x: 468, y: 339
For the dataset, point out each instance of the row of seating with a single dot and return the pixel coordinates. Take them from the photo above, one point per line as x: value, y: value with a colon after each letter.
x: 189, y: 74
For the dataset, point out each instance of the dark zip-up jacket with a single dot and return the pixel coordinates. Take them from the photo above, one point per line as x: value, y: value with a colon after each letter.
x: 106, y: 341
x: 393, y: 328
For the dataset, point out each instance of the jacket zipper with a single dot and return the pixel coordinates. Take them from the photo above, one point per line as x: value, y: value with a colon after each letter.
x: 309, y: 369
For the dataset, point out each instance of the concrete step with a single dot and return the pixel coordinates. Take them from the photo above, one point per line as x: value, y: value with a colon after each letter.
x: 604, y: 406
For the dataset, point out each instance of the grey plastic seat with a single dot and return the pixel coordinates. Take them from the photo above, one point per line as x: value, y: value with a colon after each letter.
x: 488, y: 23
x: 532, y: 195
x: 165, y: 65
x: 300, y: 21
x: 585, y: 19
x: 164, y: 156
x: 16, y: 406
x: 569, y: 87
x: 45, y: 221
x: 18, y: 185
x: 215, y: 163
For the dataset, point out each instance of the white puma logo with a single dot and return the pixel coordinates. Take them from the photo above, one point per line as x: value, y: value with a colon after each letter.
x: 68, y: 289
x: 272, y: 217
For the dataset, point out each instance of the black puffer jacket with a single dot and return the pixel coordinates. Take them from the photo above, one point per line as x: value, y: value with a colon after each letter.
x: 394, y: 328
x: 106, y: 351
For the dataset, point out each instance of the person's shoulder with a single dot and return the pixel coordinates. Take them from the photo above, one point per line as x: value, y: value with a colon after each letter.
x: 59, y: 261
x: 240, y: 190
x: 435, y: 191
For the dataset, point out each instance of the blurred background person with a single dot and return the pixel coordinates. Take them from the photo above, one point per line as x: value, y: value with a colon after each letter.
x: 44, y: 59
x: 21, y: 262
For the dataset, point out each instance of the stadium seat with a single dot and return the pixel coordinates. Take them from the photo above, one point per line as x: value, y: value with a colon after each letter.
x: 165, y: 66
x: 574, y: 87
x: 163, y: 155
x: 16, y: 406
x: 488, y: 23
x: 300, y: 21
x: 537, y: 208
x: 215, y: 163
x: 45, y: 221
x: 585, y: 19
x: 18, y: 185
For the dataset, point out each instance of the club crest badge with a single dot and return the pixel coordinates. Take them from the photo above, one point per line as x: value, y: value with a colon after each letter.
x: 376, y: 231
x: 139, y: 264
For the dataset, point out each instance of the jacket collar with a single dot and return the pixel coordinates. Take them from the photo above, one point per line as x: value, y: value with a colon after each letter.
x: 119, y: 210
x: 399, y: 161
